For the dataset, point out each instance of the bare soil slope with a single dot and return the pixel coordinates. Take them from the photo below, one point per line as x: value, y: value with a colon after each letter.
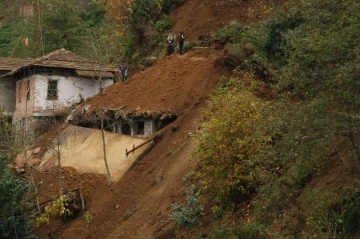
x: 171, y: 85
x: 138, y: 206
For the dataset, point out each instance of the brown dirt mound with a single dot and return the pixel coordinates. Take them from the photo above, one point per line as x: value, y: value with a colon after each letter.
x: 138, y: 206
x: 172, y: 84
x: 49, y: 187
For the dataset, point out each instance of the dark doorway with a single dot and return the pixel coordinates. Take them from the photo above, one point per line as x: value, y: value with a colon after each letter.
x: 141, y: 128
x: 126, y: 129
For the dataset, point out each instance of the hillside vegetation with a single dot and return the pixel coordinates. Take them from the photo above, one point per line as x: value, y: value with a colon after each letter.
x: 293, y: 153
x: 277, y: 153
x: 102, y: 30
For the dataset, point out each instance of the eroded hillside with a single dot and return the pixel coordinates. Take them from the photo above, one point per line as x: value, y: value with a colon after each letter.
x: 138, y: 206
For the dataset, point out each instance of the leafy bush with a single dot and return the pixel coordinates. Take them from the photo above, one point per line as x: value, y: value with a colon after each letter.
x: 164, y: 23
x: 169, y: 5
x: 94, y: 14
x: 14, y: 209
x: 232, y: 33
x: 189, y: 214
x: 231, y: 145
x: 88, y: 218
x: 188, y: 46
x: 244, y: 47
x: 324, y: 214
x: 220, y: 232
x: 205, y: 42
x: 59, y: 208
x: 236, y: 230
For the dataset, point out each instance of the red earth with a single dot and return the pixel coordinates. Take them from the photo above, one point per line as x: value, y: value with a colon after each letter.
x: 138, y: 206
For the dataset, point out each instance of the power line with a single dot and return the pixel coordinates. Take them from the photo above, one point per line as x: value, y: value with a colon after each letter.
x: 12, y: 53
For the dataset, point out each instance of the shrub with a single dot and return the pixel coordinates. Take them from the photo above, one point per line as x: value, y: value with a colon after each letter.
x: 189, y: 214
x: 164, y: 23
x: 332, y: 216
x: 88, y: 218
x: 244, y: 48
x: 231, y: 146
x: 244, y: 230
x: 14, y: 201
x: 59, y: 208
x: 220, y: 232
x: 232, y: 33
x: 188, y: 46
x: 169, y: 5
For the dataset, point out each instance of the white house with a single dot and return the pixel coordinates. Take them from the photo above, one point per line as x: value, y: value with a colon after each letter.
x: 47, y: 86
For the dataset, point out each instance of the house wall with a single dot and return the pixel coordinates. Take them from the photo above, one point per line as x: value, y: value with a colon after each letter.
x: 7, y: 95
x: 149, y: 127
x: 70, y: 91
x: 24, y: 107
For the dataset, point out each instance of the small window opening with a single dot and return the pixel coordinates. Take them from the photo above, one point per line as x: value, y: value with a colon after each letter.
x: 52, y: 93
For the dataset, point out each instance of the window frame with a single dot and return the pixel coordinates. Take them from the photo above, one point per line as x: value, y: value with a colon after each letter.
x: 52, y: 93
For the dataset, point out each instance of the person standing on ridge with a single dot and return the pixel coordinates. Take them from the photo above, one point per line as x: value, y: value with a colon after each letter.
x: 170, y: 46
x: 123, y: 69
x: 181, y: 42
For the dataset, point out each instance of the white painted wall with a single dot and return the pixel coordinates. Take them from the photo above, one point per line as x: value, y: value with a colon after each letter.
x: 70, y: 91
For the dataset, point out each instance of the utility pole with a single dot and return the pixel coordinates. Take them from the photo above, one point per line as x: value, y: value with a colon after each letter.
x: 38, y: 30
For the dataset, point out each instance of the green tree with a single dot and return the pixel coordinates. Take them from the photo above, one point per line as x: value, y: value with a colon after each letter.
x: 321, y: 62
x: 94, y: 14
x: 62, y: 25
x: 14, y: 209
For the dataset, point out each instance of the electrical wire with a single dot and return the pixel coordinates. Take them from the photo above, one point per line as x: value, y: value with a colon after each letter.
x: 12, y: 53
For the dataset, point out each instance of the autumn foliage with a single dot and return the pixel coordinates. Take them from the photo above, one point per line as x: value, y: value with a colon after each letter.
x: 231, y: 145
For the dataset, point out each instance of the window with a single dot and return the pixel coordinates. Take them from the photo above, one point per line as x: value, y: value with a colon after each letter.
x: 52, y: 90
x: 28, y: 90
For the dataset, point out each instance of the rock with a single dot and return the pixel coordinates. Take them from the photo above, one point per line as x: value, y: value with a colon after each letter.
x: 20, y: 170
x: 36, y: 150
x: 19, y: 161
x: 34, y: 161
